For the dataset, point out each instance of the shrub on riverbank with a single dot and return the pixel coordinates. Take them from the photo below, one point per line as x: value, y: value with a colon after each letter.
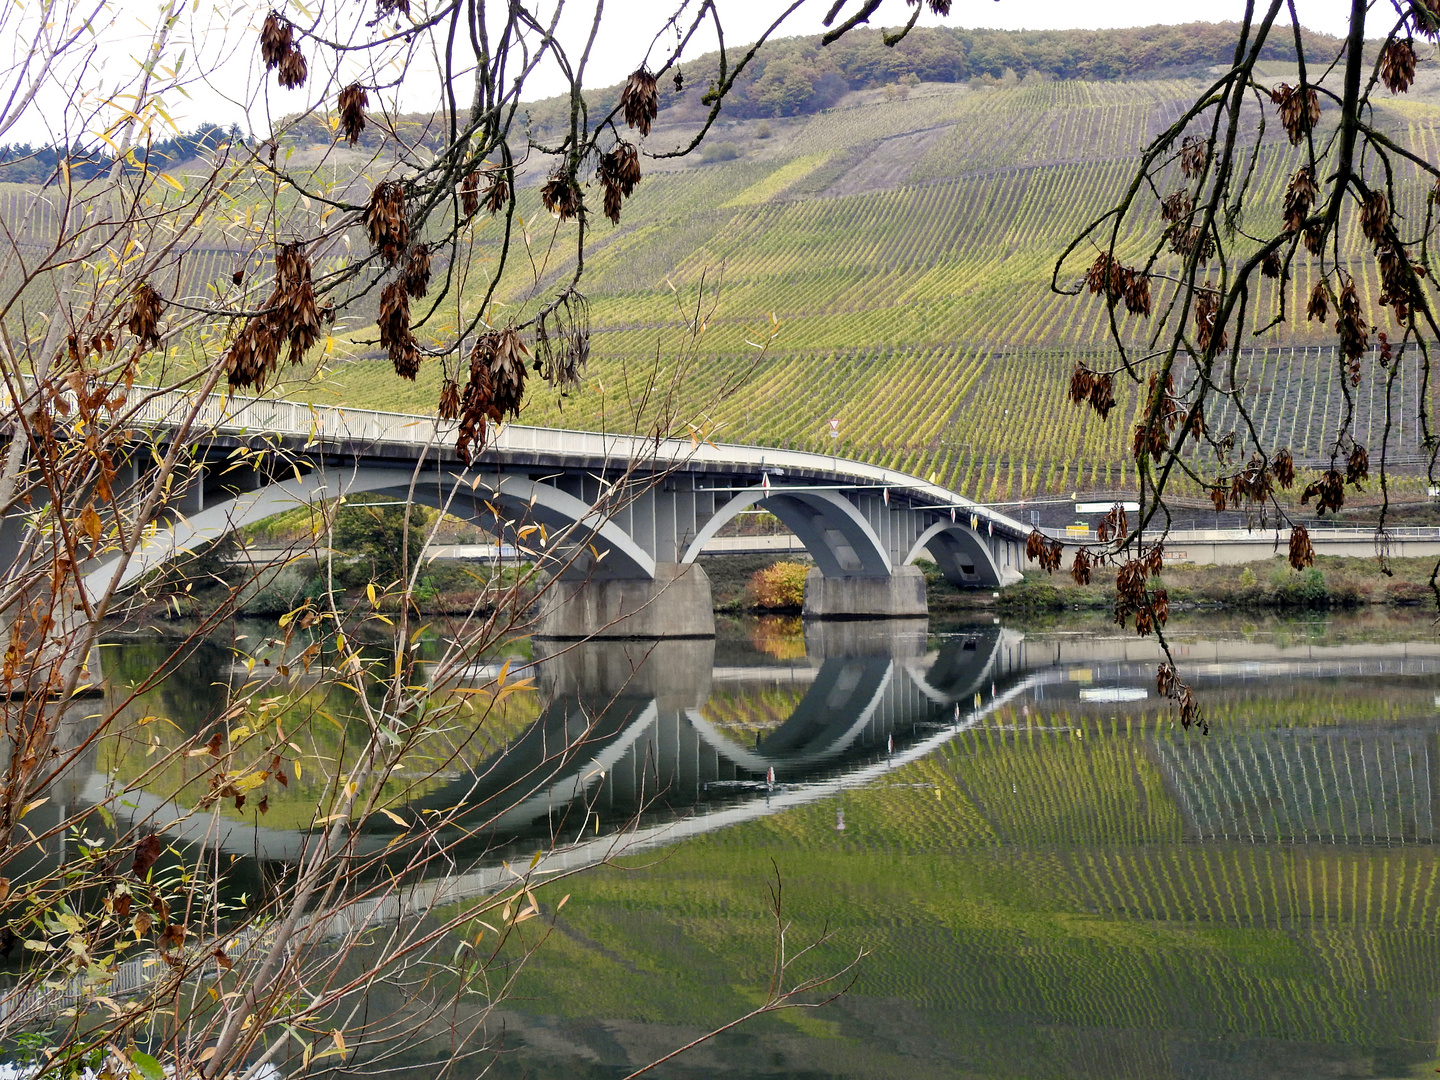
x: 778, y: 587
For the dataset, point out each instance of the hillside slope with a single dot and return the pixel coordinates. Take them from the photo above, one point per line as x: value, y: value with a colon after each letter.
x: 904, y: 243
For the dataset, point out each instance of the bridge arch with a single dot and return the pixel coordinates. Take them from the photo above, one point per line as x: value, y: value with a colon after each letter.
x: 960, y: 554
x: 834, y: 532
x: 528, y: 501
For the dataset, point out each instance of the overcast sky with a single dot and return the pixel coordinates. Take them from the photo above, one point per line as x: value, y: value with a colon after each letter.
x: 223, y: 32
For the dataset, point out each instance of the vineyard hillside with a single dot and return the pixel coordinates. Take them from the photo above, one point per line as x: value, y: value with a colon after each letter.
x: 902, y: 241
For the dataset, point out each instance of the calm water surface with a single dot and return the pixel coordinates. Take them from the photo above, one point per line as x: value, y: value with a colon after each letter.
x: 1049, y: 878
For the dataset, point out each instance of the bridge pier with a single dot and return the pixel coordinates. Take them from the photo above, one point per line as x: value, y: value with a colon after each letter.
x: 677, y: 603
x: 900, y: 594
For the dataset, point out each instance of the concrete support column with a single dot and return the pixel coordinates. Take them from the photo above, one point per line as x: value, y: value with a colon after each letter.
x: 676, y: 604
x: 900, y: 595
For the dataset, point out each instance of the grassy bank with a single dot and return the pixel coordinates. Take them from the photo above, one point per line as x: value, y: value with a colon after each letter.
x: 1330, y: 583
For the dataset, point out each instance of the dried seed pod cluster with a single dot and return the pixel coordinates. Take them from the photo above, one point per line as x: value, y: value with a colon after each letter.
x: 496, y: 386
x: 145, y: 312
x: 278, y: 50
x: 1354, y: 331
x: 640, y: 101
x: 1046, y: 553
x: 1193, y: 156
x: 1150, y: 608
x: 1299, y: 110
x: 353, y: 100
x: 386, y: 221
x: 1328, y: 491
x: 449, y: 406
x: 394, y: 326
x: 1207, y: 309
x: 1185, y: 240
x: 470, y: 193
x: 290, y: 316
x: 1177, y: 206
x: 1302, y: 552
x: 416, y: 276
x: 618, y: 173
x: 1300, y: 196
x: 495, y: 195
x: 1397, y: 65
x: 561, y: 196
x: 1107, y: 275
x: 1087, y: 386
x: 562, y: 341
x: 1168, y: 685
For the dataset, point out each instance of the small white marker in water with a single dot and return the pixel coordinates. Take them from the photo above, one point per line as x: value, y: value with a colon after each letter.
x: 770, y: 778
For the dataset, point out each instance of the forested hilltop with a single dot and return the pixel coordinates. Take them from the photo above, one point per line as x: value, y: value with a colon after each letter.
x: 798, y: 76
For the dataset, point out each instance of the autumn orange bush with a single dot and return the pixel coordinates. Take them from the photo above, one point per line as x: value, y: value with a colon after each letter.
x: 778, y: 587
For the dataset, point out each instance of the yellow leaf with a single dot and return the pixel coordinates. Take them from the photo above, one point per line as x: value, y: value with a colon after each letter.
x: 32, y: 805
x: 396, y: 818
x: 172, y: 181
x: 90, y: 522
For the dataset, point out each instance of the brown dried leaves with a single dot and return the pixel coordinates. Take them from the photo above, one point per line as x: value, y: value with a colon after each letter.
x: 386, y: 221
x: 1117, y: 282
x: 640, y: 101
x: 618, y: 173
x: 496, y: 386
x: 290, y: 316
x: 1299, y: 110
x: 353, y: 100
x: 145, y: 312
x: 277, y: 49
x: 1087, y: 386
x: 1046, y: 553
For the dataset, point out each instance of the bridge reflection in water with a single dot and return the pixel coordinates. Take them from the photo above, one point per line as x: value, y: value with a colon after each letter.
x: 624, y: 737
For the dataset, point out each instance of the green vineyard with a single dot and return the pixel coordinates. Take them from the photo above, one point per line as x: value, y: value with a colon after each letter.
x: 904, y: 247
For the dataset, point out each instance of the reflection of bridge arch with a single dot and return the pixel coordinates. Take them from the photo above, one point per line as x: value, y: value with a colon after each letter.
x: 964, y: 665
x: 521, y: 501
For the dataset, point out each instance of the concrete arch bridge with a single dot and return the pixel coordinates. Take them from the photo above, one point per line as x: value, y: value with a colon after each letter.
x: 621, y: 519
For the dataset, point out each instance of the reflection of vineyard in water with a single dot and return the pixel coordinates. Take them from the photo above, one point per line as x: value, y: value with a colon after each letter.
x: 1076, y: 887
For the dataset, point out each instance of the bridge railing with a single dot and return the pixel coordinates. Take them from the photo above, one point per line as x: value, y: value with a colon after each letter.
x: 234, y: 415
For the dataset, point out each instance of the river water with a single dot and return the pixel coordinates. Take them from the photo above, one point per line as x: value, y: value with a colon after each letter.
x: 1047, y: 877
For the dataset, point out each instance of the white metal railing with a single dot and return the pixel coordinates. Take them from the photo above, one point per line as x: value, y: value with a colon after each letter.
x: 327, y: 423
